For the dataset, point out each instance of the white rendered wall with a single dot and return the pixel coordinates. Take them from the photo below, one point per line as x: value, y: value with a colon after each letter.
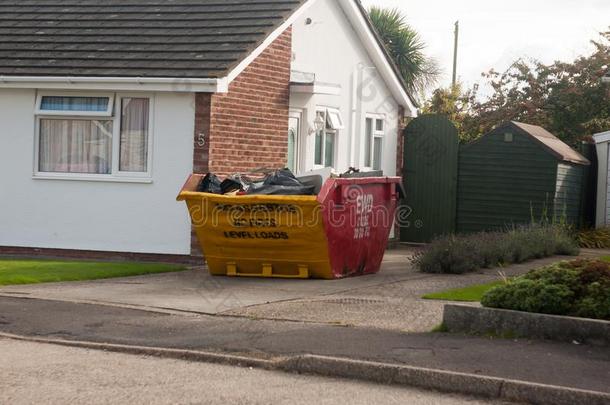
x: 103, y: 216
x: 330, y: 48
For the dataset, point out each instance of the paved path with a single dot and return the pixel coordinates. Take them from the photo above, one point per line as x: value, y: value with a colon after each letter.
x: 395, y: 305
x: 388, y: 300
x: 45, y: 374
x: 535, y: 361
x: 197, y: 291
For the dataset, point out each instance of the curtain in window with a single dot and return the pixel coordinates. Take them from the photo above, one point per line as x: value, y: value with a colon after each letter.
x: 134, y: 135
x: 318, y: 147
x: 329, y: 150
x: 56, y: 103
x: 368, y: 140
x: 377, y: 148
x: 75, y: 146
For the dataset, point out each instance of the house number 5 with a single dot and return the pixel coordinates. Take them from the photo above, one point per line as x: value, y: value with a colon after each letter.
x: 201, y: 140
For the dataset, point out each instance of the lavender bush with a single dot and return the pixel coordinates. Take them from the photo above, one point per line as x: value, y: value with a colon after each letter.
x: 458, y: 254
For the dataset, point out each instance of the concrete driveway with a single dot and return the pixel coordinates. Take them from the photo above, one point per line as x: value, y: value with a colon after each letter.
x: 196, y: 291
x: 390, y: 299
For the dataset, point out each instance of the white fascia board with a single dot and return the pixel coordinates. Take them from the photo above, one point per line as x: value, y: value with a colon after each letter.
x: 602, y: 137
x: 376, y: 53
x: 268, y: 41
x: 161, y: 84
x: 316, y: 88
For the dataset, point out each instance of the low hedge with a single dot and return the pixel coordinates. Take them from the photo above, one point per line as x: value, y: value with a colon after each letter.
x: 457, y: 254
x: 576, y: 288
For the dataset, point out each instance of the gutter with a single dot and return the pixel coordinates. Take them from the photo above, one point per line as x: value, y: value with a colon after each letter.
x: 179, y: 84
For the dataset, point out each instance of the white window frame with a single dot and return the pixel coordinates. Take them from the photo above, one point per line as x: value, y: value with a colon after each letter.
x: 335, y: 131
x: 375, y: 135
x: 107, y: 113
x: 334, y: 115
x: 299, y: 113
x: 115, y: 116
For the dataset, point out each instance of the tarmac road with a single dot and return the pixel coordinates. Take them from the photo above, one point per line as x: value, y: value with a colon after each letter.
x: 33, y: 373
x: 552, y: 363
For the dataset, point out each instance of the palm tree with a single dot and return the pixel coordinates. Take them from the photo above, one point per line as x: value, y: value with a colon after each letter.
x: 406, y: 48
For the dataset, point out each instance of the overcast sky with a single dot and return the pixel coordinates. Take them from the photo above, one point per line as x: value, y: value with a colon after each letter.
x: 494, y: 33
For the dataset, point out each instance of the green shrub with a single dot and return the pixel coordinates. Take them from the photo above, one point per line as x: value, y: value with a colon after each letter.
x: 458, y: 254
x: 530, y: 296
x: 450, y: 255
x: 575, y: 288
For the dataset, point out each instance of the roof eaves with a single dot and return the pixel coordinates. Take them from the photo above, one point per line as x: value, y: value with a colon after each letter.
x: 272, y: 33
x: 162, y: 84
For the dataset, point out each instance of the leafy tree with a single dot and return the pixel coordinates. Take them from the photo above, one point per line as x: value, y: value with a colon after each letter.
x: 453, y: 103
x: 568, y: 99
x: 406, y: 48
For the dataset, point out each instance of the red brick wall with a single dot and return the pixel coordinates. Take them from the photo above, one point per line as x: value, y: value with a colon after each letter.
x: 400, y: 150
x: 201, y: 147
x: 201, y: 143
x: 249, y: 124
x: 246, y: 128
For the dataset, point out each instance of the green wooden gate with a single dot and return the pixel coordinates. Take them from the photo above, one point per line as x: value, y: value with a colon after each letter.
x: 430, y: 179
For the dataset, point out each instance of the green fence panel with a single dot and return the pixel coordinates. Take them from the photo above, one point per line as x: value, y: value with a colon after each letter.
x: 430, y: 179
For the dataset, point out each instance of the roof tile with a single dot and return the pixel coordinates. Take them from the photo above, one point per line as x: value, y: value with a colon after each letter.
x: 134, y: 38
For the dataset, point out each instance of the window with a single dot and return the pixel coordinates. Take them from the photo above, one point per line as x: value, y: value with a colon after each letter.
x: 373, y: 142
x: 134, y: 135
x: 91, y: 135
x: 75, y: 105
x: 334, y: 119
x: 75, y: 146
x: 328, y: 123
x: 368, y: 142
x: 379, y: 125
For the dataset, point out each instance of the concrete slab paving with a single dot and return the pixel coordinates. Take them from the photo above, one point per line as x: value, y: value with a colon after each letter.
x: 388, y: 300
x: 195, y: 290
x: 394, y: 305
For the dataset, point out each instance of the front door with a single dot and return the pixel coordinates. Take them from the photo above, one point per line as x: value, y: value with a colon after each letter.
x: 294, y: 132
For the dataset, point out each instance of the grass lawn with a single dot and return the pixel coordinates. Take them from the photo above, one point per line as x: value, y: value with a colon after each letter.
x: 17, y: 271
x: 472, y: 293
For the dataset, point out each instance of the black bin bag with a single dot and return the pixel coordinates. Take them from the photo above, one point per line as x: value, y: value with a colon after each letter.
x: 282, y: 182
x: 210, y: 184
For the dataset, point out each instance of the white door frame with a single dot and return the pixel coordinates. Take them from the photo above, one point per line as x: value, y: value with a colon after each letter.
x: 297, y: 113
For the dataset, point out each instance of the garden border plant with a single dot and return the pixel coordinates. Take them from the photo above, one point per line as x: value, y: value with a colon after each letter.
x: 579, y: 288
x: 598, y: 238
x: 458, y: 254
